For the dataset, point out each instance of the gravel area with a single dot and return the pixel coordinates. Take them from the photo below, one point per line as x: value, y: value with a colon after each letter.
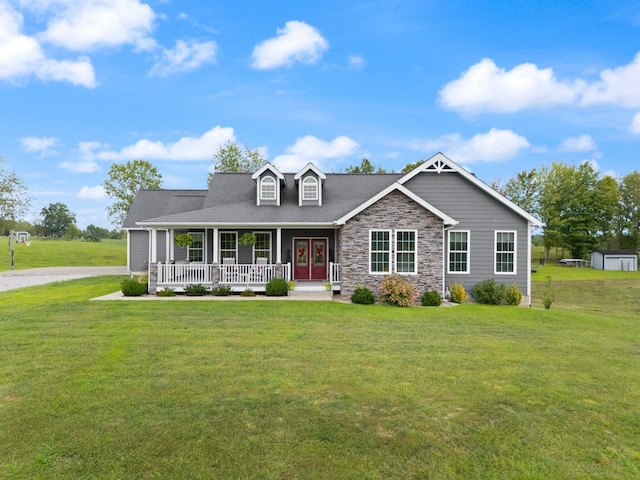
x: 10, y: 280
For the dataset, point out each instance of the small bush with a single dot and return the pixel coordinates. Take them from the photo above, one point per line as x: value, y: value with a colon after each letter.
x: 363, y: 296
x: 248, y: 293
x: 221, y: 291
x: 488, y: 292
x: 277, y: 287
x: 133, y: 288
x: 548, y: 294
x: 431, y: 299
x: 458, y: 293
x: 166, y: 292
x: 144, y: 278
x: 196, y: 290
x: 512, y: 294
x: 395, y: 290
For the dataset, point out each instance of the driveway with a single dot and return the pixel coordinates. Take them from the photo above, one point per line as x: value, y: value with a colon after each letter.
x: 10, y: 280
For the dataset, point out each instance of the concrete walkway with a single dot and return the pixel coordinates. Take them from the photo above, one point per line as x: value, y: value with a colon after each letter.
x: 13, y: 279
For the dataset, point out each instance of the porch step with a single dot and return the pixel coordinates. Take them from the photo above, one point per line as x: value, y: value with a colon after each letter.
x: 320, y: 295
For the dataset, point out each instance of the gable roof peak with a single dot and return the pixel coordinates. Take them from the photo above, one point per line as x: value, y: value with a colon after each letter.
x: 271, y: 168
x: 306, y: 168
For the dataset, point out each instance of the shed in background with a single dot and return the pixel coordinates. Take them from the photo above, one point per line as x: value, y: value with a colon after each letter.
x: 625, y: 260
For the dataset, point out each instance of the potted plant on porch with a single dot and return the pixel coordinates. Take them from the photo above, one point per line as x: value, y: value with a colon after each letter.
x: 248, y: 239
x: 184, y: 240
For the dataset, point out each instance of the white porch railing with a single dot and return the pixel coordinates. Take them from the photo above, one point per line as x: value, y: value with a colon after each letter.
x: 239, y: 274
x: 184, y: 274
x: 334, y: 273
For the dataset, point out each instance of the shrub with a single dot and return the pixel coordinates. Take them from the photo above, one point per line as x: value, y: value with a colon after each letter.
x: 395, y: 290
x: 221, y: 291
x: 166, y: 292
x: 488, y: 292
x: 277, y: 287
x: 133, y: 288
x: 458, y: 293
x: 512, y: 294
x: 363, y: 296
x: 196, y: 290
x: 548, y: 294
x: 248, y: 293
x: 144, y: 278
x: 431, y: 299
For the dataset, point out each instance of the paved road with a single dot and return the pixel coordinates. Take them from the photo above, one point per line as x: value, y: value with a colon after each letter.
x: 10, y: 280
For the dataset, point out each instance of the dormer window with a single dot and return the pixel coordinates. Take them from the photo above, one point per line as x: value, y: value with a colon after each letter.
x: 268, y: 188
x: 310, y: 188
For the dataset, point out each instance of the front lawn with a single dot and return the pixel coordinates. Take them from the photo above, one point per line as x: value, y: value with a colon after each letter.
x: 209, y: 389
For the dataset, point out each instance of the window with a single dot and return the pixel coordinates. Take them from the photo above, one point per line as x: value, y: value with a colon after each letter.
x: 405, y: 251
x: 262, y: 248
x: 196, y: 251
x: 310, y: 188
x: 268, y: 188
x: 380, y: 251
x: 228, y: 245
x: 505, y: 252
x: 458, y: 252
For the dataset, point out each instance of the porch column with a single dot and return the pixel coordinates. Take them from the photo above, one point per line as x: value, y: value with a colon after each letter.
x: 154, y: 245
x: 278, y: 245
x: 172, y: 234
x: 216, y: 260
x: 167, y: 242
x: 153, y: 279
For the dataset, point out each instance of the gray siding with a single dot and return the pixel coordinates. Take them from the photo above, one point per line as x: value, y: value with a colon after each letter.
x: 138, y: 250
x: 480, y: 214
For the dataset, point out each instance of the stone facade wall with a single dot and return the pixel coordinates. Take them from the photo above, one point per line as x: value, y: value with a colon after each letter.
x: 394, y: 212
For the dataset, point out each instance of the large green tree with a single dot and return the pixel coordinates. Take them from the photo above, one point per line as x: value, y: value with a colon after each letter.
x: 14, y: 200
x: 125, y: 180
x: 230, y: 158
x: 57, y: 219
x: 576, y: 207
x: 628, y: 220
x: 524, y: 190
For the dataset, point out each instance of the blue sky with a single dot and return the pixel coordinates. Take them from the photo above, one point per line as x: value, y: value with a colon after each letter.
x: 498, y: 86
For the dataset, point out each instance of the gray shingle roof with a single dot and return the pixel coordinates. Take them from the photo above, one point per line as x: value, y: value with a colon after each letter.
x: 157, y: 203
x: 231, y: 198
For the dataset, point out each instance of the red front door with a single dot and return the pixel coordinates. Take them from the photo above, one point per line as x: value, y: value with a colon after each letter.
x: 311, y: 259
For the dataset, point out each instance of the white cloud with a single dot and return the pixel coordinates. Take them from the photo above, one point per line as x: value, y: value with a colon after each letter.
x: 494, y: 146
x: 635, y: 124
x: 619, y: 86
x: 583, y: 143
x: 21, y: 56
x: 83, y: 25
x: 44, y: 145
x: 187, y: 148
x: 184, y: 57
x: 356, y: 62
x: 87, y: 166
x: 485, y: 87
x: 91, y: 193
x: 311, y: 149
x: 296, y: 42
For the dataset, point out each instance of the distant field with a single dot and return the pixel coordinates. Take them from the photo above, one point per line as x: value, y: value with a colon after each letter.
x: 58, y: 253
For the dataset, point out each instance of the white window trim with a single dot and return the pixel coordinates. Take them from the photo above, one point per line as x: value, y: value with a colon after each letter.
x: 390, y: 251
x: 271, y: 181
x: 313, y: 180
x: 515, y: 252
x: 396, y: 252
x: 203, y: 248
x: 235, y: 234
x: 253, y: 254
x: 453, y: 272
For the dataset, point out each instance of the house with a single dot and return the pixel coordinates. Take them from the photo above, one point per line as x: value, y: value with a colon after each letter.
x: 626, y: 260
x: 435, y: 225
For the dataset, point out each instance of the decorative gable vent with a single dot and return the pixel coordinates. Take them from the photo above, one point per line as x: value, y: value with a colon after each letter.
x: 439, y: 166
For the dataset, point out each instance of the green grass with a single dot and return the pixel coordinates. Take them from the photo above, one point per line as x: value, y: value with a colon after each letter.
x: 63, y: 253
x: 210, y: 389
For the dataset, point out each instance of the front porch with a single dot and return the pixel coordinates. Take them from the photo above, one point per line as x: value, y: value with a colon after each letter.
x: 238, y: 277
